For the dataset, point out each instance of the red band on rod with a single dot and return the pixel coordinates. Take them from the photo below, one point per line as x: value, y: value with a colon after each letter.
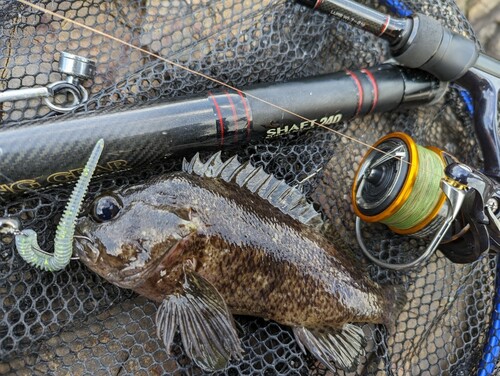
x: 360, y: 90
x: 373, y: 81
x: 235, y: 116
x: 386, y: 24
x: 247, y: 113
x: 221, y: 121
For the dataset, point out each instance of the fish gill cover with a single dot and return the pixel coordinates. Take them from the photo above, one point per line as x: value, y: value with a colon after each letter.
x: 75, y: 322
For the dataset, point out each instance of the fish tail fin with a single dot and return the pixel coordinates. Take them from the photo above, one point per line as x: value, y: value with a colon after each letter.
x: 205, y: 324
x: 396, y: 299
x: 343, y: 347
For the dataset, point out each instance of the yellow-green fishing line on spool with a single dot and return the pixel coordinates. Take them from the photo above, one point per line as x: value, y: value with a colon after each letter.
x: 425, y: 194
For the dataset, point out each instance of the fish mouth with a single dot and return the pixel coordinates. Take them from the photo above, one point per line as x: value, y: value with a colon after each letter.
x: 89, y: 252
x: 84, y: 244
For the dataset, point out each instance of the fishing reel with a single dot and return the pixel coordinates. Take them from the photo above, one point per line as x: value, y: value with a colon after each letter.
x: 423, y: 192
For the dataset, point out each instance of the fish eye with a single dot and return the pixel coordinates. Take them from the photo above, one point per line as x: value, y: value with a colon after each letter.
x: 106, y: 208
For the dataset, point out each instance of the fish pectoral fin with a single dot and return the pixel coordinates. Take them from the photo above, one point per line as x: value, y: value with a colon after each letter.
x: 343, y: 347
x: 207, y: 328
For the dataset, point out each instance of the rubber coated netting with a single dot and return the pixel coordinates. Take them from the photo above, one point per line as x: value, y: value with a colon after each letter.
x: 73, y: 322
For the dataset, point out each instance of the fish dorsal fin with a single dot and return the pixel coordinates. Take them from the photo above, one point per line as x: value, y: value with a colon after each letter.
x: 344, y: 347
x: 205, y: 324
x: 289, y: 200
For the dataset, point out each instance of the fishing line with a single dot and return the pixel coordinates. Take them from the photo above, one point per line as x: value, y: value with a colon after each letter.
x: 173, y: 63
x: 416, y: 204
x: 417, y: 207
x: 407, y: 198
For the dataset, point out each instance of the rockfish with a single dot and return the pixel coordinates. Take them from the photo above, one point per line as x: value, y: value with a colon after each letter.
x: 223, y: 238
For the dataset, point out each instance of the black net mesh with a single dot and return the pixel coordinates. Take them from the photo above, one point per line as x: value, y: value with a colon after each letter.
x: 73, y: 322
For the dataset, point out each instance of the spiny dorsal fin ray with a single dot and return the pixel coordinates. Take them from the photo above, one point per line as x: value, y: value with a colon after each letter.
x: 205, y: 324
x: 286, y: 198
x: 343, y: 347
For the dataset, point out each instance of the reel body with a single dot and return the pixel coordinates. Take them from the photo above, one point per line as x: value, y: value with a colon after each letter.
x: 421, y: 192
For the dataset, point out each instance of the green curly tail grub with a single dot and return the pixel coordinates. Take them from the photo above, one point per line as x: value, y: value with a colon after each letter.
x: 26, y: 240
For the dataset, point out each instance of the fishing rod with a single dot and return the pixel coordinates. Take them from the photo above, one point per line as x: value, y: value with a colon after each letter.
x: 219, y: 120
x: 420, y: 41
x: 225, y: 119
x: 220, y: 108
x: 11, y: 185
x: 30, y: 183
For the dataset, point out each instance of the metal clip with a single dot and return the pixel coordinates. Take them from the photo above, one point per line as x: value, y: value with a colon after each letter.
x: 76, y: 68
x: 60, y: 87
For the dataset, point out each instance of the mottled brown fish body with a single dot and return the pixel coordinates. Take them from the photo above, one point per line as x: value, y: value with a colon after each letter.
x: 263, y: 262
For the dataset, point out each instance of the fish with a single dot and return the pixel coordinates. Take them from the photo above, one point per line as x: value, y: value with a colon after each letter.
x: 223, y: 238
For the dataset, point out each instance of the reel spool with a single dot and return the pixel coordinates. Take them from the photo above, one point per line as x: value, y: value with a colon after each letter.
x: 403, y: 185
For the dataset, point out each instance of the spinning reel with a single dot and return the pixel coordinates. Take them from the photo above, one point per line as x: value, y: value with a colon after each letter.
x: 420, y: 192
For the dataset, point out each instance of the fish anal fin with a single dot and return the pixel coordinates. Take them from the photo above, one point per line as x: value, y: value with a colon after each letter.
x: 206, y: 326
x: 343, y: 347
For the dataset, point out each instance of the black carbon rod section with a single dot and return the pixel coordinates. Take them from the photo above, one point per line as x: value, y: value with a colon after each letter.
x: 54, y: 152
x: 382, y: 25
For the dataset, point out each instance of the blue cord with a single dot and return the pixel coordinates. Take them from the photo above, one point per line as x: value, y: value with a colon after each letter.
x: 398, y: 7
x: 467, y: 98
x: 491, y: 351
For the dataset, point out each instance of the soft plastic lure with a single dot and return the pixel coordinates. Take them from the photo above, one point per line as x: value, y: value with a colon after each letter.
x: 26, y: 240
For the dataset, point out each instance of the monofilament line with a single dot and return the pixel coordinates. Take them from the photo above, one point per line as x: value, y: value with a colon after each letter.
x: 109, y: 36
